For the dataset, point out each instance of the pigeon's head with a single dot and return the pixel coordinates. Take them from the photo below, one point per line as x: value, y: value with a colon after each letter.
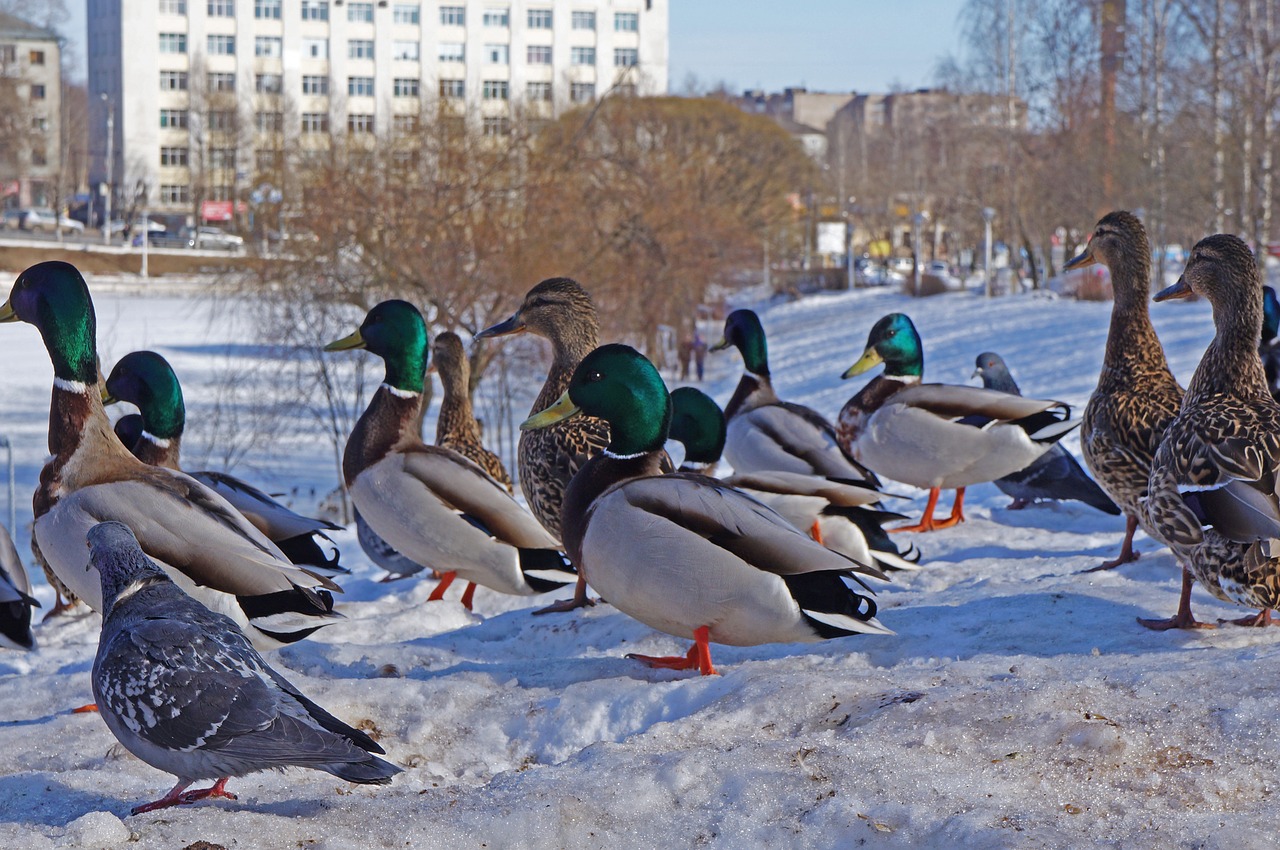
x: 114, y: 552
x: 991, y: 368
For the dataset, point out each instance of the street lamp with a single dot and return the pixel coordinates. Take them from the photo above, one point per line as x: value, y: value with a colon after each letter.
x: 917, y: 222
x: 988, y: 214
x: 111, y: 145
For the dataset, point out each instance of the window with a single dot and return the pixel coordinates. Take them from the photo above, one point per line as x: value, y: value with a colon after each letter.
x: 8, y: 54
x: 315, y: 122
x: 539, y: 91
x: 266, y: 9
x: 453, y: 16
x: 405, y: 87
x: 35, y: 57
x: 221, y: 192
x: 582, y: 92
x: 584, y: 20
x: 173, y: 42
x: 175, y: 119
x: 404, y: 123
x: 539, y: 54
x: 266, y: 160
x: 315, y: 10
x: 497, y: 54
x: 625, y: 57
x: 497, y: 125
x: 174, y: 195
x: 222, y: 158
x: 173, y: 7
x: 222, y: 8
x: 315, y: 48
x: 222, y: 45
x: 582, y: 56
x: 360, y: 86
x: 360, y: 123
x: 267, y: 45
x: 360, y: 48
x: 269, y: 122
x: 269, y: 84
x: 173, y: 81
x: 222, y: 82
x: 407, y: 50
x: 626, y: 22
x: 451, y: 51
x: 539, y: 19
x: 497, y: 18
x: 222, y: 120
x: 360, y: 13
x: 40, y: 124
x: 315, y: 85
x: 404, y: 14
x: 495, y: 90
x: 174, y: 156
x: 39, y: 157
x: 452, y: 88
x: 37, y: 91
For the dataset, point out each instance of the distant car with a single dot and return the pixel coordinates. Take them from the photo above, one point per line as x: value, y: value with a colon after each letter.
x: 902, y: 265
x: 212, y: 237
x: 117, y: 226
x: 44, y: 218
x: 13, y: 218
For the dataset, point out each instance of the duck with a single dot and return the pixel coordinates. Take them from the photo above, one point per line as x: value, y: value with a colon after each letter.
x: 16, y: 600
x: 1214, y: 493
x: 1137, y: 396
x: 456, y: 426
x: 1055, y: 475
x: 146, y: 380
x: 1269, y: 348
x: 430, y: 503
x: 683, y: 553
x: 838, y: 514
x: 766, y: 433
x: 939, y: 436
x: 207, y: 547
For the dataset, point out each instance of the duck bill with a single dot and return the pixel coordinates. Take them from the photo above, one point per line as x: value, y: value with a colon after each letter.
x: 510, y: 326
x: 354, y: 340
x: 563, y: 409
x: 107, y: 397
x: 1179, y: 290
x: 719, y: 346
x: 869, y: 360
x: 7, y: 313
x: 1079, y: 262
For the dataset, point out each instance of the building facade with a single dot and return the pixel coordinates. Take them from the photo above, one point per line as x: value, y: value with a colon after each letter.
x: 30, y: 113
x: 208, y: 92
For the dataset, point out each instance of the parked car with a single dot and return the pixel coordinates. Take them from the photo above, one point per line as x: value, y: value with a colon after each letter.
x: 13, y: 218
x: 44, y: 218
x: 212, y: 237
x: 153, y: 226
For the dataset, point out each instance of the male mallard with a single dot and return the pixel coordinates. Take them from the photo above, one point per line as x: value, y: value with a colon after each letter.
x: 146, y: 380
x: 1214, y: 494
x: 939, y: 435
x: 1055, y: 475
x: 16, y: 601
x: 836, y: 513
x: 683, y: 553
x: 210, y: 550
x: 456, y: 426
x: 1137, y: 396
x: 765, y: 433
x: 432, y: 504
x: 1269, y: 349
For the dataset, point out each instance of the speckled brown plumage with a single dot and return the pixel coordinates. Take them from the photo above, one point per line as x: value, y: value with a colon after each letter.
x: 456, y: 426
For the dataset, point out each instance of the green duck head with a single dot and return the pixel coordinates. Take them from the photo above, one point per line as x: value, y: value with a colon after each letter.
x: 1270, y: 314
x: 146, y: 380
x: 619, y: 385
x: 893, y: 341
x: 395, y: 331
x: 742, y: 329
x: 697, y: 422
x: 53, y: 297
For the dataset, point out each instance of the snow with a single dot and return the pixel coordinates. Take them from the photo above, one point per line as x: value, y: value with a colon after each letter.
x: 1018, y: 705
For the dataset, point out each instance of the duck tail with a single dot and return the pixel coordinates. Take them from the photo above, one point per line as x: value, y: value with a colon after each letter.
x: 546, y: 569
x: 289, y: 615
x: 306, y: 550
x: 832, y: 605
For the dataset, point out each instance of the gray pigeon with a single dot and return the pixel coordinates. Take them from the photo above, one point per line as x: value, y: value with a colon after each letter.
x: 15, y: 598
x: 182, y: 688
x: 1055, y: 474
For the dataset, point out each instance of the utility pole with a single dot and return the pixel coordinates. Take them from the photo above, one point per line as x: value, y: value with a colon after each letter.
x: 111, y: 147
x: 988, y: 214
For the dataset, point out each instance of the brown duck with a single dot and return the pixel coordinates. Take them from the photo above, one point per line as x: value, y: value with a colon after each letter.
x: 456, y: 426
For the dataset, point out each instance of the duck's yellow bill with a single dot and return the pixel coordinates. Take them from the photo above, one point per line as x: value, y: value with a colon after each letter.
x: 1079, y: 262
x: 107, y: 397
x: 7, y: 313
x: 1181, y: 289
x: 354, y: 340
x: 869, y: 360
x: 720, y: 346
x: 563, y: 409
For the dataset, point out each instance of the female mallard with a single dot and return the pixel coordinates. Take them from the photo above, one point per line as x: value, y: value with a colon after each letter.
x: 1214, y: 494
x: 1137, y: 396
x: 456, y: 426
x: 683, y: 553
x: 836, y: 513
x: 212, y: 551
x: 765, y: 433
x: 145, y: 379
x: 432, y: 504
x: 939, y: 435
x: 16, y: 601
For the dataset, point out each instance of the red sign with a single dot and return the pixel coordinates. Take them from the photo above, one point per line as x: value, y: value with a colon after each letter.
x: 216, y: 211
x: 10, y: 188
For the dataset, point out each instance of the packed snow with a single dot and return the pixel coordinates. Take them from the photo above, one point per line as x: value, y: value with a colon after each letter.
x: 1018, y: 705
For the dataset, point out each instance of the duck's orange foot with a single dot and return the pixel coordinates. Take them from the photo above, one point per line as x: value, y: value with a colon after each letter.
x: 60, y: 607
x: 1177, y: 621
x: 1127, y: 552
x: 445, y: 581
x: 579, y: 600
x: 1262, y: 619
x: 699, y: 655
x: 91, y: 708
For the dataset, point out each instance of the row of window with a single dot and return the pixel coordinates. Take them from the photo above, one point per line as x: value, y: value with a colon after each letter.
x: 359, y: 86
x: 9, y: 55
x: 318, y: 10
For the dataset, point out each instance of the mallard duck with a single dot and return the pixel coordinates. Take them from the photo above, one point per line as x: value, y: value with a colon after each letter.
x: 1137, y: 396
x: 1214, y: 494
x: 456, y: 426
x: 939, y: 435
x: 765, y: 433
x: 836, y: 513
x: 16, y: 600
x: 210, y: 550
x: 683, y: 553
x: 432, y: 504
x: 1269, y: 349
x: 145, y: 379
x: 1055, y: 475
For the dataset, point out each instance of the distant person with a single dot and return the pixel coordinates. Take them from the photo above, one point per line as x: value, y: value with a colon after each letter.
x: 685, y: 353
x: 699, y: 352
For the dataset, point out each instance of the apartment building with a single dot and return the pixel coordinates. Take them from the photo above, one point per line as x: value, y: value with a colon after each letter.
x: 30, y: 112
x: 221, y: 88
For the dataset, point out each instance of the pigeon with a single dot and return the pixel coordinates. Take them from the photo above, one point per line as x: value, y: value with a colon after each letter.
x: 15, y: 598
x: 1055, y: 474
x: 183, y: 689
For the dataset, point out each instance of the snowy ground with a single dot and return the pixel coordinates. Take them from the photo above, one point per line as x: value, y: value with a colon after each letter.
x: 1019, y: 705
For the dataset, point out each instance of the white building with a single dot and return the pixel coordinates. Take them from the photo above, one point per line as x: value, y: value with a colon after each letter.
x: 224, y: 85
x: 30, y: 98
